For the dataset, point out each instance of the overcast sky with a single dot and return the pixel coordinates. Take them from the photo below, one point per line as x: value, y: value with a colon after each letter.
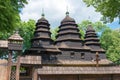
x: 55, y: 10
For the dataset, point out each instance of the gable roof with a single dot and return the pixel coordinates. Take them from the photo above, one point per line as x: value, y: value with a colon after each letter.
x: 3, y: 44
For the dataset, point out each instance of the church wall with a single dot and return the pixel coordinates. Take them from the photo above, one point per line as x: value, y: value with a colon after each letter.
x: 37, y: 43
x: 57, y: 77
x: 66, y: 55
x: 101, y: 56
x: 79, y: 77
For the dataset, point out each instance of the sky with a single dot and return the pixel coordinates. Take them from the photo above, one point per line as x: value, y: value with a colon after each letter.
x: 55, y: 10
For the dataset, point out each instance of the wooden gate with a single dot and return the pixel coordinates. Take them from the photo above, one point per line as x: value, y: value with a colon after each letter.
x: 77, y: 77
x: 58, y: 77
x: 13, y: 75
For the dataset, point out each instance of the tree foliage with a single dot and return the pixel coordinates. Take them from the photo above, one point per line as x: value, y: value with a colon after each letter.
x: 54, y: 33
x: 26, y: 30
x: 110, y: 40
x: 18, y: 4
x: 106, y: 38
x: 110, y: 9
x: 9, y: 14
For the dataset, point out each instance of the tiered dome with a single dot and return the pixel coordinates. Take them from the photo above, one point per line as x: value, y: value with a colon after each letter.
x: 16, y: 37
x: 91, y: 40
x: 43, y: 19
x: 42, y: 42
x: 42, y: 33
x: 68, y: 35
x: 67, y: 19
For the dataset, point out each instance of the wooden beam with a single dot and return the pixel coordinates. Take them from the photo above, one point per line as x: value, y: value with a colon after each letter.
x: 18, y: 68
x: 9, y: 65
x: 35, y: 75
x: 97, y: 59
x: 111, y: 76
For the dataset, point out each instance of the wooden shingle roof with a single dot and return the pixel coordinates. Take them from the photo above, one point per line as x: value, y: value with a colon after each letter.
x: 63, y: 45
x: 16, y: 36
x: 90, y: 28
x: 67, y: 19
x: 3, y: 44
x: 78, y: 70
x: 32, y: 60
x: 42, y: 19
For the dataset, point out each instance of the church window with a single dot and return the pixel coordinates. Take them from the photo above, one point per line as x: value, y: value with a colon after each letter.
x: 53, y: 57
x: 72, y: 54
x: 82, y: 55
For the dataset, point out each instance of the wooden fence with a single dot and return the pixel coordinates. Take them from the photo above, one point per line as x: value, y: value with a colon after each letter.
x: 3, y: 69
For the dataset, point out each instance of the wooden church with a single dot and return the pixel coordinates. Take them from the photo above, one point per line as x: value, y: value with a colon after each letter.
x: 67, y: 58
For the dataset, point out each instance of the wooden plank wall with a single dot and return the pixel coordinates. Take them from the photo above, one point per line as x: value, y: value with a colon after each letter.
x: 79, y: 77
x: 3, y: 69
x: 57, y: 77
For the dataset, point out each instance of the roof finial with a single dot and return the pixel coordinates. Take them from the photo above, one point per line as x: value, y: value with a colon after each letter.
x: 43, y: 13
x: 90, y: 23
x: 97, y: 59
x: 67, y: 13
x: 89, y: 18
x: 16, y: 31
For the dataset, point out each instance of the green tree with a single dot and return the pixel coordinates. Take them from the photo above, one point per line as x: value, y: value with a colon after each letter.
x: 18, y: 4
x: 26, y: 30
x: 9, y: 14
x: 5, y: 35
x: 110, y: 9
x: 110, y: 40
x: 54, y: 33
x: 106, y: 38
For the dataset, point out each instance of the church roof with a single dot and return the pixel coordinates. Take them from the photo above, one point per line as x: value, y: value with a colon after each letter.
x: 15, y: 36
x: 68, y: 35
x: 79, y: 70
x: 32, y: 60
x: 43, y: 20
x: 90, y: 28
x: 67, y: 18
x: 42, y: 42
x: 4, y: 44
x: 91, y: 40
x: 45, y: 49
x: 97, y: 50
x: 73, y: 62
